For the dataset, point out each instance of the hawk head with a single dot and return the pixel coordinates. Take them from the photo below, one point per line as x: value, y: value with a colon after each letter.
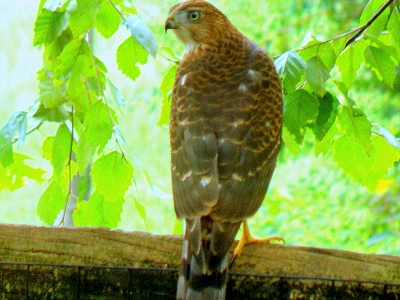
x: 197, y: 22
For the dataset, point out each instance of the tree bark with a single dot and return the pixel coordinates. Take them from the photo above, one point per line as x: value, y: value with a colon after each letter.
x: 96, y: 263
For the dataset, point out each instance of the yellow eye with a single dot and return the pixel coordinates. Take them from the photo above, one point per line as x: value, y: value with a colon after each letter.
x: 194, y: 15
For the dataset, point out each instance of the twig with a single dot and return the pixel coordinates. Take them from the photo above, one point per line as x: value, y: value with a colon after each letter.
x: 358, y: 31
x: 361, y: 29
x: 34, y: 128
x: 69, y: 169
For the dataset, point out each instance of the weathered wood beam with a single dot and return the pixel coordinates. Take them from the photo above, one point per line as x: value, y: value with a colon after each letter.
x: 62, y: 263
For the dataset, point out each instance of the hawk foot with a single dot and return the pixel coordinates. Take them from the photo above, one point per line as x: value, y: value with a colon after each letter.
x: 248, y: 239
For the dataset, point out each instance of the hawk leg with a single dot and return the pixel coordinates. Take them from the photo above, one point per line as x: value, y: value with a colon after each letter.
x: 247, y: 239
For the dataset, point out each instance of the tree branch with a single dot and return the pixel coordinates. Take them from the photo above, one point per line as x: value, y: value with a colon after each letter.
x: 361, y: 29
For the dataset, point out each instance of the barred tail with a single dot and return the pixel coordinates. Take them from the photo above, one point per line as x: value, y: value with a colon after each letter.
x: 204, y: 267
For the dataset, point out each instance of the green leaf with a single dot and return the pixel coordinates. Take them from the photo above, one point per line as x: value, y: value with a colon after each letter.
x: 53, y: 49
x: 142, y: 34
x: 52, y: 92
x: 310, y: 50
x: 83, y: 17
x: 384, y: 42
x: 54, y: 114
x: 379, y: 24
x: 290, y: 66
x: 16, y: 124
x: 107, y: 20
x: 338, y: 45
x: 393, y: 26
x: 20, y: 169
x: 112, y: 175
x: 129, y: 53
x: 49, y: 25
x: 41, y: 4
x: 327, y: 112
x: 141, y: 209
x: 396, y: 81
x: 368, y: 170
x: 52, y: 201
x: 369, y: 10
x: 169, y: 54
x: 354, y: 123
x: 53, y: 4
x: 78, y: 91
x: 61, y: 149
x: 350, y: 61
x: 99, y: 125
x: 84, y: 85
x: 366, y: 160
x: 345, y: 91
x: 383, y: 157
x: 379, y: 61
x: 115, y: 94
x: 85, y: 188
x: 351, y: 156
x: 290, y: 142
x: 322, y: 146
x: 166, y: 89
x: 322, y: 50
x: 327, y: 55
x: 98, y: 212
x: 12, y: 176
x: 301, y: 109
x: 316, y: 74
x: 70, y: 54
x: 47, y: 147
x: 84, y: 154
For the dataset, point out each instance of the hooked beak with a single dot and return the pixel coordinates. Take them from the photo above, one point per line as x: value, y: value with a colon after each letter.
x: 170, y: 24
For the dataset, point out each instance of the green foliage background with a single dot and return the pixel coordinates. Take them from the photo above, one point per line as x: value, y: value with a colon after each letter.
x: 332, y: 187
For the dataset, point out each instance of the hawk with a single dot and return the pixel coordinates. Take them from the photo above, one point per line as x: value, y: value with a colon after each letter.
x: 225, y: 134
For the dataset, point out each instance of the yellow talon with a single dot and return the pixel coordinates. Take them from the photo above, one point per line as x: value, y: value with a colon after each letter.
x: 248, y: 239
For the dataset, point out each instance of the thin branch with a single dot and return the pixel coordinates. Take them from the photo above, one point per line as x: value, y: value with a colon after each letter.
x: 361, y: 29
x: 377, y: 133
x: 69, y: 168
x: 358, y: 31
x: 170, y: 59
x: 34, y: 128
x: 382, y: 135
x: 113, y: 124
x: 120, y: 13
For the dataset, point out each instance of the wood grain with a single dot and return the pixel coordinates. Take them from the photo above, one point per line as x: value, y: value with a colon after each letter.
x: 262, y: 269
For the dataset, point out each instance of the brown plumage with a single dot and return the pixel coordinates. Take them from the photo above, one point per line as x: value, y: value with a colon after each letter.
x: 225, y: 128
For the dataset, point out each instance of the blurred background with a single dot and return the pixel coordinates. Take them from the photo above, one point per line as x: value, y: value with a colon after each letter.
x: 310, y: 202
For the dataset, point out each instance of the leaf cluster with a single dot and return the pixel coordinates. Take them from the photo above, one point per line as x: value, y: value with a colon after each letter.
x: 76, y: 94
x: 317, y: 80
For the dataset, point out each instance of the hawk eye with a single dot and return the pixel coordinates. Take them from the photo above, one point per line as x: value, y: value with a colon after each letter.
x: 194, y: 15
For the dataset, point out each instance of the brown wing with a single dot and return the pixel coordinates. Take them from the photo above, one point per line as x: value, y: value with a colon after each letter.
x: 226, y: 118
x: 193, y: 148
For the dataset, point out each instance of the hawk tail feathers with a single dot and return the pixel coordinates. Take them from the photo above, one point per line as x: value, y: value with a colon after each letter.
x: 204, y: 267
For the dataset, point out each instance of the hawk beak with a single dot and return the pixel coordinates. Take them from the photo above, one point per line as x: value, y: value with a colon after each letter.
x: 170, y: 24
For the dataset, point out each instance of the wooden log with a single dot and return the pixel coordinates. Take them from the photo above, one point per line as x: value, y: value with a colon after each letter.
x: 96, y: 263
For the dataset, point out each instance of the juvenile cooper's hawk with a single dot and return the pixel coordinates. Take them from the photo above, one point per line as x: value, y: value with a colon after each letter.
x: 225, y: 127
